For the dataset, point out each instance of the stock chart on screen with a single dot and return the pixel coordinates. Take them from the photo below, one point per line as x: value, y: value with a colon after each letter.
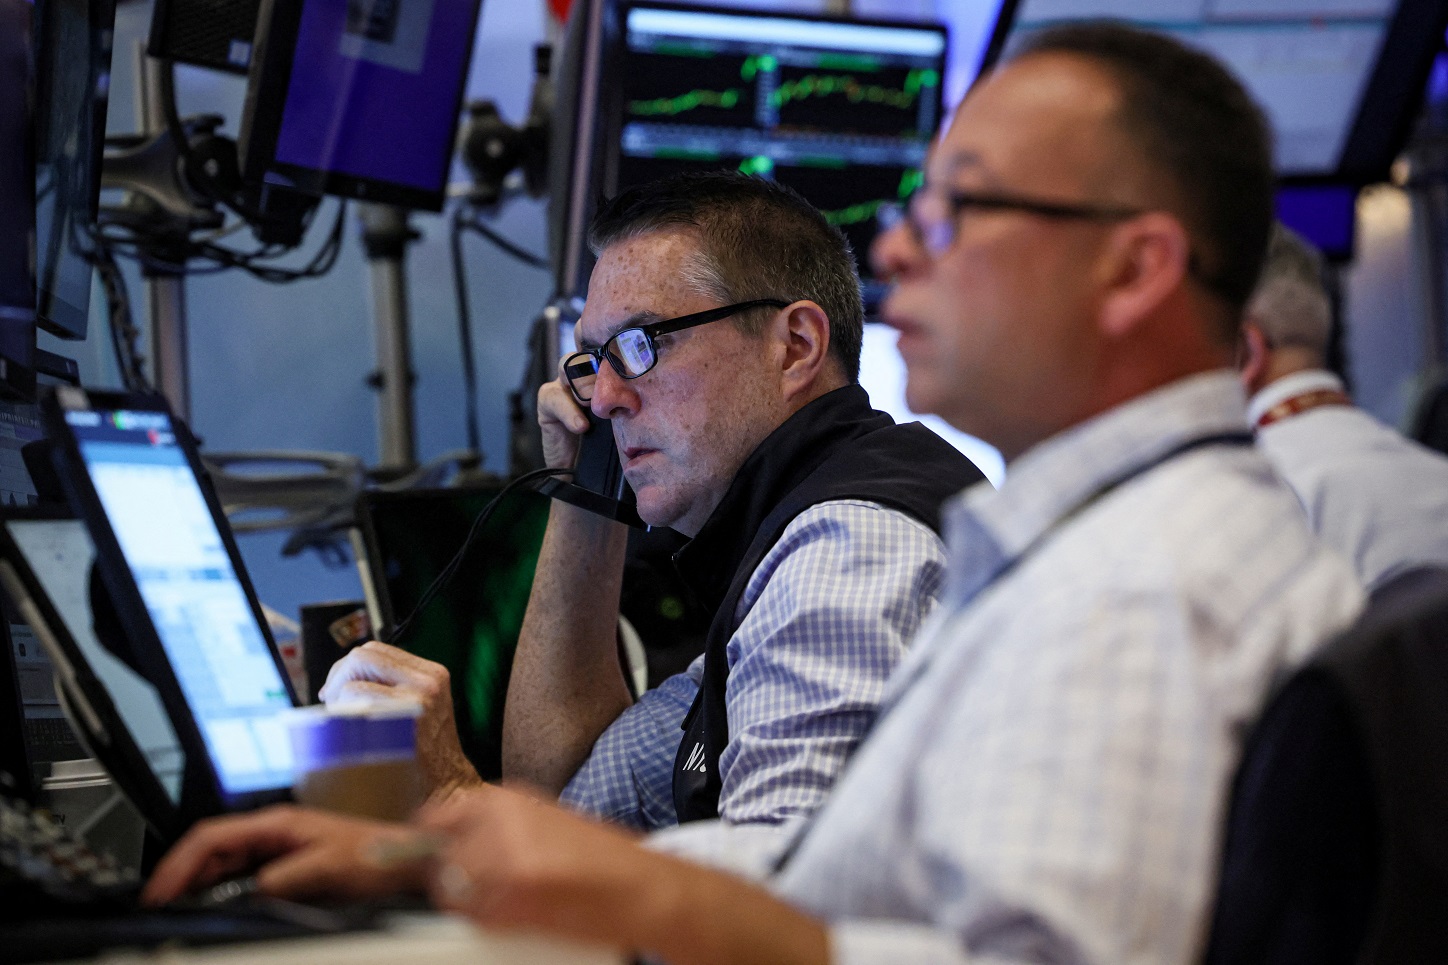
x: 842, y: 112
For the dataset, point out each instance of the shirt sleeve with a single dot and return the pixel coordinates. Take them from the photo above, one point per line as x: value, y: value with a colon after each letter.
x: 628, y: 777
x: 828, y: 614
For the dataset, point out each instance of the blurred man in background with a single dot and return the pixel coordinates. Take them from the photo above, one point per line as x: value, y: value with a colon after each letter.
x: 1370, y: 493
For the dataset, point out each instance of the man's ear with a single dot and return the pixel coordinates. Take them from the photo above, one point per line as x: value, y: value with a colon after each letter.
x: 805, y: 331
x: 1253, y: 355
x: 1145, y: 263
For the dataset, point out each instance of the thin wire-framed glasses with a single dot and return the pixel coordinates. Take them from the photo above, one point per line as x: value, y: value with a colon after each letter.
x: 632, y: 352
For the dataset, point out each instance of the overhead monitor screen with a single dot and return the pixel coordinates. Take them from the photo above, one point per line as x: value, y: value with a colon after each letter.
x: 842, y: 112
x: 1308, y: 63
x: 359, y: 98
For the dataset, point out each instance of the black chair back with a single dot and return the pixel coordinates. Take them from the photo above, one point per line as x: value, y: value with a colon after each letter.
x: 1336, y: 846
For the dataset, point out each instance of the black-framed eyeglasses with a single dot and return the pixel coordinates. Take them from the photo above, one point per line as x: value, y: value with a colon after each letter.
x: 633, y: 352
x: 936, y: 230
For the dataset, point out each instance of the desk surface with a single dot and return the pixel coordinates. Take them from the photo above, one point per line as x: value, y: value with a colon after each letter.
x: 410, y: 938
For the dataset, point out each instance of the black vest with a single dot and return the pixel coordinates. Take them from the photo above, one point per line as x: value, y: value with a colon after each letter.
x: 837, y: 447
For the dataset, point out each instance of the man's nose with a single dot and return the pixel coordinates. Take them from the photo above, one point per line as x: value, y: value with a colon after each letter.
x: 613, y: 395
x: 897, y: 252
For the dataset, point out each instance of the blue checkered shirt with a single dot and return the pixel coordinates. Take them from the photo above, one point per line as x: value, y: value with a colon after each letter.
x: 1047, y: 779
x: 826, y: 615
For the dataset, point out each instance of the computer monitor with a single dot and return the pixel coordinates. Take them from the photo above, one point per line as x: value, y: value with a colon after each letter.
x: 841, y: 110
x: 1340, y: 80
x: 46, y: 557
x: 181, y: 595
x: 208, y: 33
x: 359, y: 99
x: 17, y: 200
x: 72, y: 65
x: 471, y: 627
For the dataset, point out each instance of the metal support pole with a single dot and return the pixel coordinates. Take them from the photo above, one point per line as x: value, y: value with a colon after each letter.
x: 166, y: 328
x: 385, y: 234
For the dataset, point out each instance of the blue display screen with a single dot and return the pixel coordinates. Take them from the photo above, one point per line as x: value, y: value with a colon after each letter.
x: 192, y: 592
x: 374, y: 89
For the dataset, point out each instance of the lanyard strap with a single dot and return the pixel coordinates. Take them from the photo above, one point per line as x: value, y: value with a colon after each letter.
x: 1239, y: 438
x: 1302, y: 402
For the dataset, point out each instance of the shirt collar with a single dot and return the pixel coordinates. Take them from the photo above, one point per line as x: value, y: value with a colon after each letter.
x: 1051, y: 479
x: 1309, y: 380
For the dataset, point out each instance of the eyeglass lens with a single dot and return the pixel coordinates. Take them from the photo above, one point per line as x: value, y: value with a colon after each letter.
x: 630, y: 352
x: 921, y: 218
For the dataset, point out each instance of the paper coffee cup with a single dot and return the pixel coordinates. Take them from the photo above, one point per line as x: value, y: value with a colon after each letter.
x: 358, y: 759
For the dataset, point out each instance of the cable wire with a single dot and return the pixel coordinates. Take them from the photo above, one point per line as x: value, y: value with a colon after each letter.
x: 449, y: 571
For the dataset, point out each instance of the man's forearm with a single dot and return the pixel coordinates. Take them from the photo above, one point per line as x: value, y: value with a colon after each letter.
x: 567, y: 685
x: 692, y: 916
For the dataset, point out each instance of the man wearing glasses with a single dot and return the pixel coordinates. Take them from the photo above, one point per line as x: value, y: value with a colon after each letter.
x: 721, y: 339
x: 1047, y: 778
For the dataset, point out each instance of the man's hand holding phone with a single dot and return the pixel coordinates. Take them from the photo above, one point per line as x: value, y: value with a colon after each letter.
x: 563, y: 421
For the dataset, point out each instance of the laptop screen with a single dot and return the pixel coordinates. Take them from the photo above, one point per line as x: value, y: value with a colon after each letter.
x: 59, y: 553
x: 195, y: 598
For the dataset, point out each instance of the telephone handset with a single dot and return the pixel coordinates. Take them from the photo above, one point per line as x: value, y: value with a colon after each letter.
x: 598, y: 484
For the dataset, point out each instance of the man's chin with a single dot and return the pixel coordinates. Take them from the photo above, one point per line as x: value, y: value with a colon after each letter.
x: 654, y: 508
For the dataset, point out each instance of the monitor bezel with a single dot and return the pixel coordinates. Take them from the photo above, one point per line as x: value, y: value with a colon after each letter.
x: 17, y: 200
x: 210, y: 795
x: 267, y: 84
x: 114, y: 747
x: 55, y: 312
x: 1392, y: 97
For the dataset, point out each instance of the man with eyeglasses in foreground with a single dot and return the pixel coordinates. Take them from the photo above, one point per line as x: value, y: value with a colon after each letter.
x: 721, y: 339
x: 1047, y: 778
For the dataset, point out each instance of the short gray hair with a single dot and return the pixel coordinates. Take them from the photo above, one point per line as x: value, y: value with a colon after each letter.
x: 757, y: 239
x: 1290, y: 304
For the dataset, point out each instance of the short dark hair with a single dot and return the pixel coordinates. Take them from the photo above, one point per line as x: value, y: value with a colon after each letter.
x: 757, y: 239
x: 1195, y: 123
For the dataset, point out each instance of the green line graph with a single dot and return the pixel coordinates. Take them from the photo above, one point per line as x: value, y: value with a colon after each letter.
x: 826, y: 85
x: 866, y: 210
x: 755, y: 64
x: 683, y: 103
x: 752, y: 66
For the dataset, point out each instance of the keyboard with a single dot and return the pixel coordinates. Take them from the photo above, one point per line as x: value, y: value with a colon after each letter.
x: 61, y: 899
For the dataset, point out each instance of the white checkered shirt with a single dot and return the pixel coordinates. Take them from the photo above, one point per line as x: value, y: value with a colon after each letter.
x: 1047, y: 779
